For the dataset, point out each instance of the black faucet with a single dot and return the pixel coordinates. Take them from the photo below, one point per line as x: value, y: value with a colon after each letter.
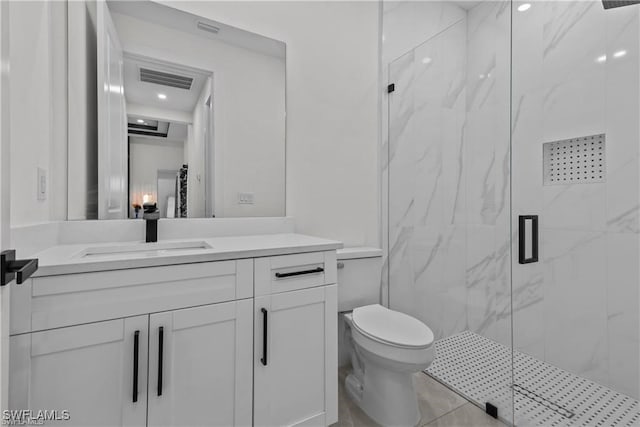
x: 151, y: 215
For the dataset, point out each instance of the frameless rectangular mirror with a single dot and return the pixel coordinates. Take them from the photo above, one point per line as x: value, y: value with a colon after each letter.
x: 172, y: 109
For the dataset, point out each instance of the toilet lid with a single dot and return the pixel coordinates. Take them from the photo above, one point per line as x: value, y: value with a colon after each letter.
x: 391, y: 326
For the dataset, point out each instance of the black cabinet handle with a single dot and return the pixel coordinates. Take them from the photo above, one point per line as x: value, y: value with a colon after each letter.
x: 160, y: 344
x: 299, y: 273
x: 136, y: 344
x: 20, y: 269
x: 522, y: 240
x: 264, y: 336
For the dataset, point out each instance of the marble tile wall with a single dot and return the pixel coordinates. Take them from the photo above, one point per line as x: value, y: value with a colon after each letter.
x: 405, y: 25
x: 578, y: 307
x: 448, y: 182
x: 487, y: 162
x: 427, y: 193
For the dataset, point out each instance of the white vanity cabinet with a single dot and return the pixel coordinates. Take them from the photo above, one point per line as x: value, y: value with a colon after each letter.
x: 71, y: 299
x: 199, y: 369
x: 200, y: 365
x: 85, y: 369
x: 181, y: 344
x: 295, y: 361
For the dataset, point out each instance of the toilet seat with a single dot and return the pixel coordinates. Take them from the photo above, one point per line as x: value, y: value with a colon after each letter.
x: 391, y: 327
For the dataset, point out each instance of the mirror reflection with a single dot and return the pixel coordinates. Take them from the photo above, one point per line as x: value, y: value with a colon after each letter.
x: 168, y: 109
x: 190, y: 114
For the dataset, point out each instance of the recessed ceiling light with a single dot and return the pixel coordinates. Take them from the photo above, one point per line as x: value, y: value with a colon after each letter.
x: 620, y: 54
x: 524, y: 7
x: 162, y: 96
x: 426, y: 60
x: 601, y: 58
x: 140, y: 121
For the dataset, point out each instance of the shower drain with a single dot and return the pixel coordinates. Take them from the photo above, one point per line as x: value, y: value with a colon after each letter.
x: 542, y: 401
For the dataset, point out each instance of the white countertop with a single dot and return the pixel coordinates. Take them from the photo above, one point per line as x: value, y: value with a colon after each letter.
x: 68, y: 259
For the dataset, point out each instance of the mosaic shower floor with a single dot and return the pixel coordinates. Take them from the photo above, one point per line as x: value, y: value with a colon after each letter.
x: 480, y: 369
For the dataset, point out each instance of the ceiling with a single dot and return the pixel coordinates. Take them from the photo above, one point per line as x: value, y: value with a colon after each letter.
x: 144, y: 93
x: 140, y: 127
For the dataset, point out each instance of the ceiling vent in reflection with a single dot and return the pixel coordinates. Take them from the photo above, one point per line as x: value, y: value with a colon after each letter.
x: 610, y: 4
x: 165, y: 79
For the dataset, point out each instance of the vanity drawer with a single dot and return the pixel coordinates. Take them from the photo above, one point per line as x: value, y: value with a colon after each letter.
x: 292, y: 272
x: 65, y: 300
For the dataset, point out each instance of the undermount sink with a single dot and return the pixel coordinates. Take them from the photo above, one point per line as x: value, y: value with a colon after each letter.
x: 142, y: 249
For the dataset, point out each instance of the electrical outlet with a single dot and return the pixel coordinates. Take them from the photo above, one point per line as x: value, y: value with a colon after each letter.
x: 245, y: 198
x: 42, y: 184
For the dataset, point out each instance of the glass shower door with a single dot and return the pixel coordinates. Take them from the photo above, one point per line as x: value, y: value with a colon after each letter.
x: 449, y: 201
x: 575, y: 136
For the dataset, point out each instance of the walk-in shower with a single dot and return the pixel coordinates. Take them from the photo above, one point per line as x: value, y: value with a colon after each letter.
x: 506, y: 115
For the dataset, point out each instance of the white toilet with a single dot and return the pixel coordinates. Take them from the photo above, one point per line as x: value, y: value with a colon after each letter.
x: 386, y: 347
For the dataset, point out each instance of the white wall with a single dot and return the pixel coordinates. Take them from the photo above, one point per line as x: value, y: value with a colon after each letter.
x: 38, y: 110
x: 332, y: 108
x: 248, y: 98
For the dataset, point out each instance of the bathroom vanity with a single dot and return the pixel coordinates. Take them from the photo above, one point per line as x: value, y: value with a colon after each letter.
x: 222, y: 331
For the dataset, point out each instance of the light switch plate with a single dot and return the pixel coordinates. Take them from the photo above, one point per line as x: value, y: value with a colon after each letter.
x: 42, y: 184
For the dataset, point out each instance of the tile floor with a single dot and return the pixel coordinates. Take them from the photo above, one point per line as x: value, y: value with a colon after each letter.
x: 439, y: 406
x: 481, y: 370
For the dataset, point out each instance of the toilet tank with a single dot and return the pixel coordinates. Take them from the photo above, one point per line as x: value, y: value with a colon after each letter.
x: 359, y: 274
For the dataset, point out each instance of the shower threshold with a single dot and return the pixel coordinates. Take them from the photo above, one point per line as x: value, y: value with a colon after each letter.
x: 542, y: 394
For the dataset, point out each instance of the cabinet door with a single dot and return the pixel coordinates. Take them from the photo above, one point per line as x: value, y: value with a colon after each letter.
x: 200, y: 362
x: 296, y: 372
x: 87, y: 370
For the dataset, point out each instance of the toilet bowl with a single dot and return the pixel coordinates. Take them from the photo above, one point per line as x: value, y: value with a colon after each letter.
x: 386, y: 348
